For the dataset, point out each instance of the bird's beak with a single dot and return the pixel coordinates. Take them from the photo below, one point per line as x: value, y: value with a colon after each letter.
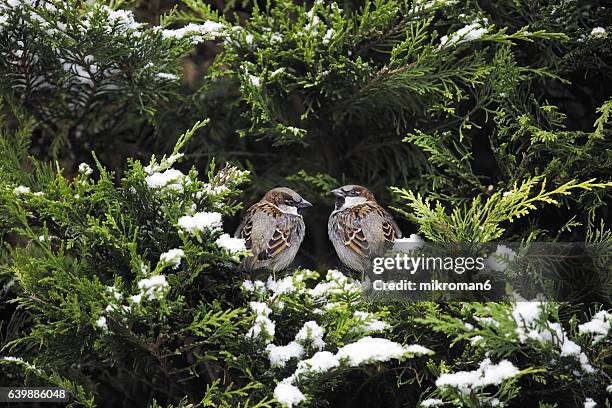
x: 304, y: 204
x: 337, y: 192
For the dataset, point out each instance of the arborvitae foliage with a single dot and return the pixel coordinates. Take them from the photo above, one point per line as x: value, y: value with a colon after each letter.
x: 475, y: 121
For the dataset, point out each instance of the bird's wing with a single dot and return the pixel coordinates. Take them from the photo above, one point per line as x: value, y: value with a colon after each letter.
x: 359, y: 231
x: 391, y: 231
x: 350, y: 231
x: 267, y: 231
x: 288, y: 228
x: 257, y: 227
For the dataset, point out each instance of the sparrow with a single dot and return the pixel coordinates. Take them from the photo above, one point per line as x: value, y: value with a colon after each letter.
x: 359, y: 228
x: 273, y: 230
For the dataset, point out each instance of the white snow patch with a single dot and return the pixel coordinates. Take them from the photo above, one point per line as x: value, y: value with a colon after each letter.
x: 280, y: 355
x: 486, y: 374
x: 232, y: 245
x: 200, y: 221
x: 288, y: 395
x: 172, y: 257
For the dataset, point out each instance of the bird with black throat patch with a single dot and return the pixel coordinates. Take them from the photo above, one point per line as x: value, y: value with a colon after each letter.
x: 273, y: 229
x: 359, y: 228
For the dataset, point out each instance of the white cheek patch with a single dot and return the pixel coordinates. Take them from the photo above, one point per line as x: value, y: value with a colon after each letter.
x: 288, y: 209
x: 353, y: 201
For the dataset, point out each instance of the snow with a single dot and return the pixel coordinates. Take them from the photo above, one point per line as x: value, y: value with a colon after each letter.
x: 263, y: 326
x: 364, y: 350
x: 171, y: 178
x: 152, y: 168
x: 486, y: 374
x: 527, y: 316
x: 320, y: 290
x: 123, y: 19
x: 152, y: 287
x: 253, y: 286
x: 213, y: 190
x: 486, y: 321
x: 280, y: 355
x: 329, y: 35
x: 276, y: 38
x: 288, y: 395
x: 370, y: 349
x: 313, y: 24
x: 368, y: 322
x: 21, y: 190
x: 232, y: 245
x: 172, y: 257
x: 260, y: 308
x: 320, y: 362
x: 200, y: 221
x: 260, y: 286
x: 282, y: 286
x: 569, y: 348
x: 431, y: 402
x: 598, y: 32
x: 584, y: 364
x: 470, y: 32
x: 101, y: 323
x: 417, y: 349
x: 526, y: 312
x: 254, y: 80
x: 589, y: 403
x: 311, y: 333
x: 474, y: 340
x: 82, y: 74
x: 85, y: 169
x: 411, y: 238
x: 599, y: 326
x: 198, y: 32
x: 335, y: 275
x: 277, y: 72
x: 10, y: 358
x: 167, y: 75
x: 113, y: 291
x: 336, y: 284
x: 499, y: 260
x: 406, y: 244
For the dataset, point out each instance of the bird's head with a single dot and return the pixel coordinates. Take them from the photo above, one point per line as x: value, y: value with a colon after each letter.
x: 286, y: 200
x: 351, y: 195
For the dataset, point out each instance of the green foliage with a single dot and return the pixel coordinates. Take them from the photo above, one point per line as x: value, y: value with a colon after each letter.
x: 483, y: 220
x: 91, y: 249
x: 83, y: 71
x: 555, y: 346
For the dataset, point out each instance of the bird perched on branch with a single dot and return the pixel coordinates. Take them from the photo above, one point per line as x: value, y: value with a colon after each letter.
x: 273, y: 230
x: 359, y: 228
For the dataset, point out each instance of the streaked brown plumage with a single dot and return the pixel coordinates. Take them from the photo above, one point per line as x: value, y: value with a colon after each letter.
x: 359, y: 228
x: 273, y: 230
